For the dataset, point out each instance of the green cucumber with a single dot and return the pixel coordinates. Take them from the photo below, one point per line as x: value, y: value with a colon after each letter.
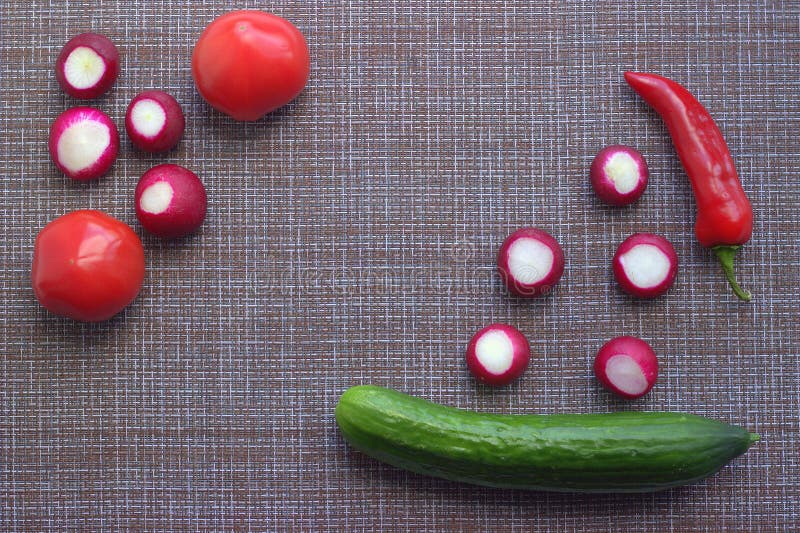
x: 615, y: 452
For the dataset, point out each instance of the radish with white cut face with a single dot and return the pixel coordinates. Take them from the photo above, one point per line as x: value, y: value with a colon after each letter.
x: 530, y: 262
x: 87, y: 66
x: 626, y: 366
x: 84, y: 143
x: 645, y: 265
x: 154, y: 121
x: 498, y: 354
x: 170, y: 201
x: 619, y: 175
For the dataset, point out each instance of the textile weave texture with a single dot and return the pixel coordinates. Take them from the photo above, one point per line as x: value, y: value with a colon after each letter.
x: 351, y: 239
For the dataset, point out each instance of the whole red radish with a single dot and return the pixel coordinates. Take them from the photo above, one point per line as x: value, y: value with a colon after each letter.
x: 87, y: 66
x: 619, y: 175
x: 498, y: 354
x: 645, y: 265
x: 83, y: 143
x: 530, y: 262
x: 170, y: 201
x: 627, y: 366
x: 154, y: 121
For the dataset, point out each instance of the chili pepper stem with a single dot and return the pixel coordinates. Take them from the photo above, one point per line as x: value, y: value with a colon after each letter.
x: 726, y: 254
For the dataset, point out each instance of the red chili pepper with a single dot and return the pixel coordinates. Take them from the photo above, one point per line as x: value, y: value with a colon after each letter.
x: 724, y: 214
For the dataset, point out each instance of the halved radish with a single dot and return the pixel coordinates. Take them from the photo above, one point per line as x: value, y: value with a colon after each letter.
x: 154, y: 121
x: 645, y: 265
x: 498, y: 354
x: 87, y: 66
x: 84, y: 143
x: 626, y: 366
x: 619, y: 174
x: 531, y: 262
x: 170, y: 201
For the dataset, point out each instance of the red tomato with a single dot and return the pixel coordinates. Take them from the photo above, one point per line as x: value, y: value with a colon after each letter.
x: 248, y: 63
x: 87, y: 266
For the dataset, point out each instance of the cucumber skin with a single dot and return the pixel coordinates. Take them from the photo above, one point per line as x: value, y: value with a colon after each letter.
x: 598, y: 453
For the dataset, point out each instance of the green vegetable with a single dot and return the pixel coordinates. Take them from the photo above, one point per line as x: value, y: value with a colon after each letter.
x: 617, y: 452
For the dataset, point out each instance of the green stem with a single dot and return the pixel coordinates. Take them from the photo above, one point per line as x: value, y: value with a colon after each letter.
x: 725, y: 254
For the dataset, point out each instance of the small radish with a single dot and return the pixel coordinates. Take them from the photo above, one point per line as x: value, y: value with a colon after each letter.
x: 87, y: 66
x: 645, y: 265
x: 619, y: 175
x: 83, y: 143
x: 626, y: 366
x: 530, y: 262
x: 498, y: 354
x: 170, y: 201
x: 154, y: 121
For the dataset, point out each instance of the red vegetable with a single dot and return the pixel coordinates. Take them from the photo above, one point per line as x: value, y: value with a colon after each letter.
x: 645, y: 265
x: 87, y: 66
x: 530, y: 262
x: 724, y: 214
x: 170, y: 201
x: 83, y: 143
x: 619, y: 175
x: 154, y: 121
x: 498, y: 354
x: 627, y: 366
x: 87, y: 266
x: 248, y: 63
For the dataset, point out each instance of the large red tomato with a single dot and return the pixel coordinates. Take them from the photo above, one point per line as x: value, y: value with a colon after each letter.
x: 248, y: 63
x: 87, y: 266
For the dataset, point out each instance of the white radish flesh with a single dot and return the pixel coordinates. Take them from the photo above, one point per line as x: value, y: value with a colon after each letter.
x: 529, y: 260
x: 645, y: 265
x: 148, y: 117
x: 84, y: 143
x: 83, y: 68
x: 622, y: 171
x: 156, y: 198
x: 625, y: 374
x: 81, y: 144
x: 495, y: 352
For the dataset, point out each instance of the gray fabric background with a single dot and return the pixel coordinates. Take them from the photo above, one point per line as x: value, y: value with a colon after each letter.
x: 351, y: 239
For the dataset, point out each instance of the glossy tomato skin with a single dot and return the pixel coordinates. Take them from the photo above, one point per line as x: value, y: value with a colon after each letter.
x: 87, y: 266
x: 248, y: 63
